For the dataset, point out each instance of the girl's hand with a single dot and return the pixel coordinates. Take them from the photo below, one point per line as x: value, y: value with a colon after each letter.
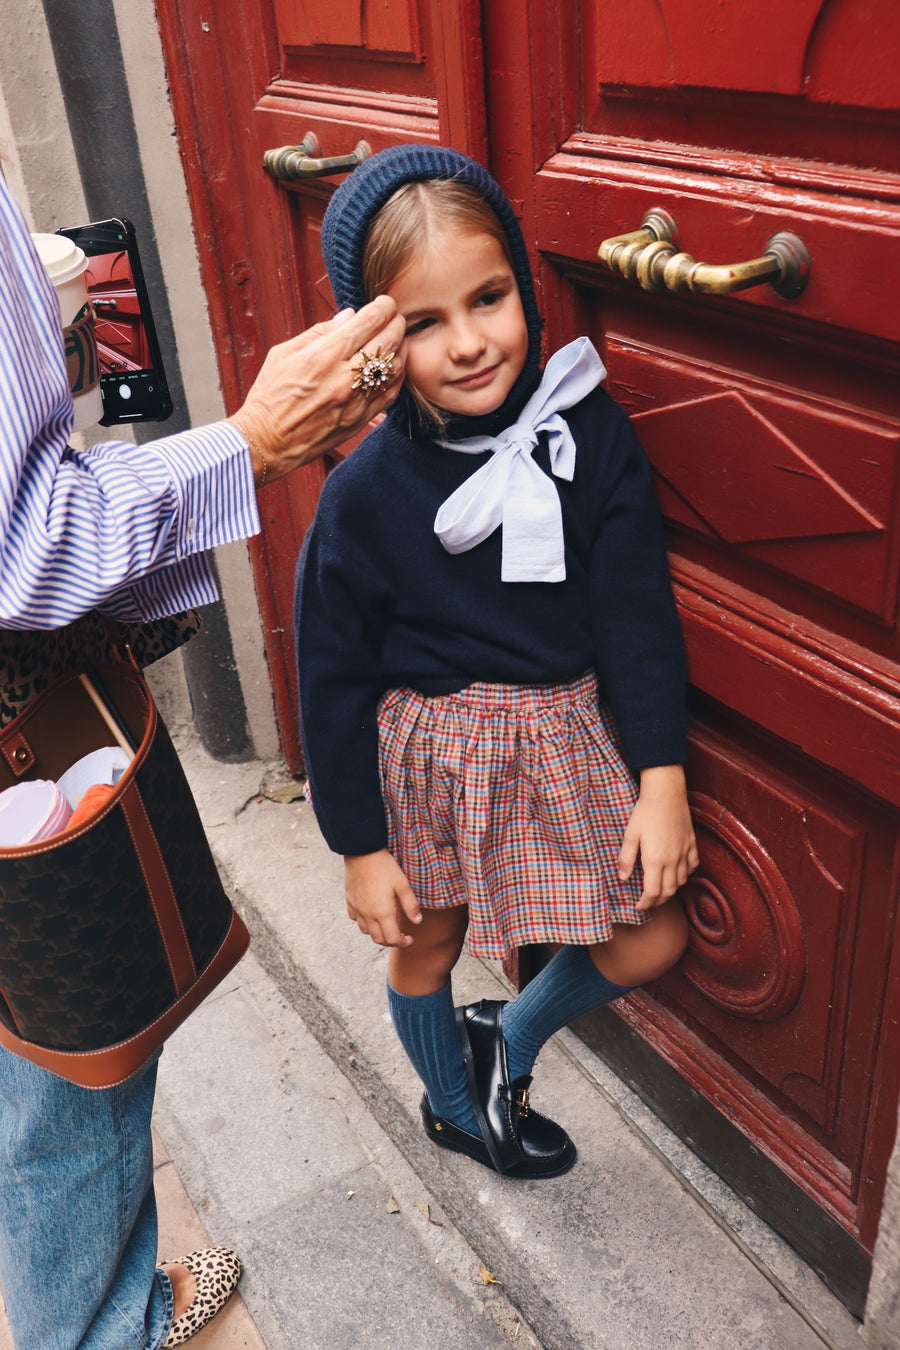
x: 378, y: 896
x: 660, y: 830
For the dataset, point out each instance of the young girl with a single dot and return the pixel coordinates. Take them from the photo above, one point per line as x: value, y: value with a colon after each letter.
x: 485, y: 559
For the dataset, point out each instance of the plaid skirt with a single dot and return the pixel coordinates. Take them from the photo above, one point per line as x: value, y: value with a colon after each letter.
x: 512, y: 799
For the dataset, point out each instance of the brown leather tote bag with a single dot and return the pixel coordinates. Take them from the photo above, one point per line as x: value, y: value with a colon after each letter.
x: 113, y: 932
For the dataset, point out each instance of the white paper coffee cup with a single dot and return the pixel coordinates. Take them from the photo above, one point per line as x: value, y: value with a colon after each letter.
x: 65, y: 265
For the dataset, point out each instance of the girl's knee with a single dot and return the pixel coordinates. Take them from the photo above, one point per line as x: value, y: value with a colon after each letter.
x: 635, y: 955
x: 425, y: 966
x: 679, y: 930
x: 665, y: 939
x: 445, y: 940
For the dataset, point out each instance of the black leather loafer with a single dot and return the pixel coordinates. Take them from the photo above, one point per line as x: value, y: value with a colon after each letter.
x: 547, y: 1160
x: 519, y: 1141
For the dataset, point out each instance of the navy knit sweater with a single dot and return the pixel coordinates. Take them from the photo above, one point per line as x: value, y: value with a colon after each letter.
x: 381, y: 604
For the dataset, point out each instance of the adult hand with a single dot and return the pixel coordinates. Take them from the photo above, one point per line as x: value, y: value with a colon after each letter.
x: 302, y: 403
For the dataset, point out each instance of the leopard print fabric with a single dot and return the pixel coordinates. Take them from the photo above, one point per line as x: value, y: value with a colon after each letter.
x: 29, y: 661
x: 217, y: 1271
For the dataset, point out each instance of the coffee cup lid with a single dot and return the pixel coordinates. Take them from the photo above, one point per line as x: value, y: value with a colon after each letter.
x: 31, y: 811
x: 62, y: 258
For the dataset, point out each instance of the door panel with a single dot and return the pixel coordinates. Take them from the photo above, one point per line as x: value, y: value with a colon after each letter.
x: 786, y: 980
x: 823, y: 51
x: 376, y: 27
x: 854, y: 243
x: 800, y: 505
x: 374, y: 45
x: 681, y: 71
x: 798, y: 499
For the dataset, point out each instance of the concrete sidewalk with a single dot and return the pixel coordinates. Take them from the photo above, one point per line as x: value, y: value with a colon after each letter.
x: 343, y: 1245
x: 291, y: 1114
x: 287, y: 1125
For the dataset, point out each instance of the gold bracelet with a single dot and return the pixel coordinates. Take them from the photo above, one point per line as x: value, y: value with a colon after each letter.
x: 254, y: 446
x: 265, y: 473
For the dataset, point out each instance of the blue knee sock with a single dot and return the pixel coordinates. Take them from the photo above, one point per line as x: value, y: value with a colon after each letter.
x: 569, y: 986
x: 426, y: 1026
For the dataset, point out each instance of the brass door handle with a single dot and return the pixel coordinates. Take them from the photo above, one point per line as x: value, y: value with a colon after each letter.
x: 289, y: 163
x: 650, y: 256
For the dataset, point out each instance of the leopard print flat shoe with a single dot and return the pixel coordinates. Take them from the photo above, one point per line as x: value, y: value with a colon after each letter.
x: 217, y: 1271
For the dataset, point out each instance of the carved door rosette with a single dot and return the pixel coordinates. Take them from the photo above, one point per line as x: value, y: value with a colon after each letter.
x: 770, y: 963
x: 747, y: 954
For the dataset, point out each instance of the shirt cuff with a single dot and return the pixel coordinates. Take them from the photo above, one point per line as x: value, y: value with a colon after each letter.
x: 211, y: 473
x: 169, y: 590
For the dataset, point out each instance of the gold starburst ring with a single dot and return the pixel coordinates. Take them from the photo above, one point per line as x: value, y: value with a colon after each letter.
x: 373, y: 371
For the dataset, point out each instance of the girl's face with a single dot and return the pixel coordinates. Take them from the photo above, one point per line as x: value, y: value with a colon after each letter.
x: 465, y: 328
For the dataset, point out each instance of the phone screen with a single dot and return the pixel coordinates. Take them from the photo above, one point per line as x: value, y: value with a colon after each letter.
x: 132, y: 378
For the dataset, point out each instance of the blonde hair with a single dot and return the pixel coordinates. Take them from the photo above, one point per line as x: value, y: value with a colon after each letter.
x: 399, y: 232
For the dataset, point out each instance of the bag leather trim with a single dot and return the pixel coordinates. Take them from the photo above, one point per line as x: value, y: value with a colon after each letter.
x: 159, y: 888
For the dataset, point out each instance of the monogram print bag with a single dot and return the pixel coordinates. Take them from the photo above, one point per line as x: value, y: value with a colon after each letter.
x: 113, y: 931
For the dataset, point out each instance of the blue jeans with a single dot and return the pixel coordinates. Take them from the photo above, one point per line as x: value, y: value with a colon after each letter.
x: 78, y: 1213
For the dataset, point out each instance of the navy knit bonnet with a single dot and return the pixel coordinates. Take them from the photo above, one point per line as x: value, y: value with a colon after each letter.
x: 351, y: 211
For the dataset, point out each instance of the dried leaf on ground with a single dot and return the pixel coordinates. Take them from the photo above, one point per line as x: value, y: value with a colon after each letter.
x: 392, y: 1207
x: 289, y: 792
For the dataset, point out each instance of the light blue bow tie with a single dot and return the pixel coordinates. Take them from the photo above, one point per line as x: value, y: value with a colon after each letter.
x: 510, y: 490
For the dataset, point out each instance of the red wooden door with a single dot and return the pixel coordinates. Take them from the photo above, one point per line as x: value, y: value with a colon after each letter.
x: 254, y: 75
x: 773, y: 426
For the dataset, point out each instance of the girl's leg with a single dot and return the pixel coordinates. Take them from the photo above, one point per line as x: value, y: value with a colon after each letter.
x: 579, y: 979
x: 77, y: 1213
x: 425, y: 967
x: 421, y: 1006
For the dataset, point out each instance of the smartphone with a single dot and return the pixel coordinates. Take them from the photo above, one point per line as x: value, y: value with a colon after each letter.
x: 132, y: 379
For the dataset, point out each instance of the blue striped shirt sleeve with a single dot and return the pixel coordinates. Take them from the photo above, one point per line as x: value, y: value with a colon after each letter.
x: 118, y: 527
